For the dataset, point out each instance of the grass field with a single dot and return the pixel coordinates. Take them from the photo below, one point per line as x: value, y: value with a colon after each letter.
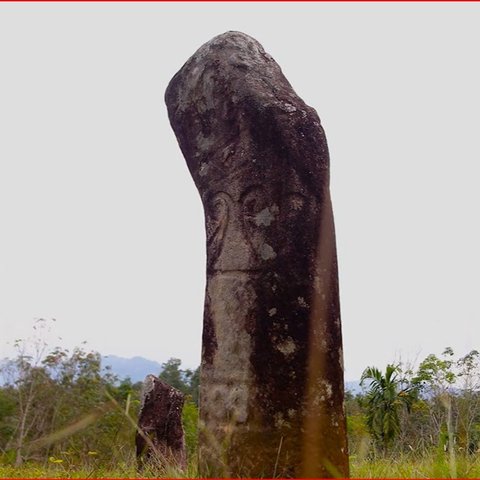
x: 411, y: 467
x: 405, y: 467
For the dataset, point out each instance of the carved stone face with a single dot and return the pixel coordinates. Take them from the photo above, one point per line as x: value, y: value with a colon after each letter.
x: 259, y: 158
x: 252, y: 226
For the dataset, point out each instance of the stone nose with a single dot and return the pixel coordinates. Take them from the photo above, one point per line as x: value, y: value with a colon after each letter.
x: 236, y: 253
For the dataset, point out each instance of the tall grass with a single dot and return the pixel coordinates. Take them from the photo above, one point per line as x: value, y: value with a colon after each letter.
x: 414, y: 466
x: 122, y: 462
x: 404, y: 466
x: 100, y: 469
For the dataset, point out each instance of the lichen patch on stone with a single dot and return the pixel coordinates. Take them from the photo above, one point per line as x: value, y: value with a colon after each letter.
x: 203, y: 170
x: 287, y: 347
x: 280, y: 421
x: 328, y: 389
x: 297, y: 203
x: 340, y: 358
x: 302, y: 302
x: 288, y: 107
x: 264, y: 217
x: 267, y: 252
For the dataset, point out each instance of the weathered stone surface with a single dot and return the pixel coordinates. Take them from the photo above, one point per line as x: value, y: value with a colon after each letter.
x: 271, y: 395
x: 161, y: 442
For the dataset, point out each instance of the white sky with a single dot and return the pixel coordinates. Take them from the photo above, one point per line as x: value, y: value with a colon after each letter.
x: 101, y: 225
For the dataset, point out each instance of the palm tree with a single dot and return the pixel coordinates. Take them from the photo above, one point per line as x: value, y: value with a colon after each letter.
x: 384, y: 398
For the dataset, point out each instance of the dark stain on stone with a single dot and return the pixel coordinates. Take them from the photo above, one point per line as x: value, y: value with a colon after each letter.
x: 209, y: 339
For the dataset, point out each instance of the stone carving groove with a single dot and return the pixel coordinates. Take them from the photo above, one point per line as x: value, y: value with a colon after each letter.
x: 271, y: 395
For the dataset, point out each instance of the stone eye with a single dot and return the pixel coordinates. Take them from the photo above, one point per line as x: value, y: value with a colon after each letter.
x: 218, y: 208
x: 251, y: 206
x: 217, y: 214
x: 253, y: 202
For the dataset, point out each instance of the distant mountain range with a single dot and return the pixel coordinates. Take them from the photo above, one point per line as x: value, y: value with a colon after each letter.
x: 137, y: 368
x: 353, y: 386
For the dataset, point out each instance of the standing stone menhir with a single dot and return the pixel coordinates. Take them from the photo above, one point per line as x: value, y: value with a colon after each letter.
x: 271, y: 394
x: 160, y: 440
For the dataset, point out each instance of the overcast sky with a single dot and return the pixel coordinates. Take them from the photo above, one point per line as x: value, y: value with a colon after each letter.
x: 101, y: 224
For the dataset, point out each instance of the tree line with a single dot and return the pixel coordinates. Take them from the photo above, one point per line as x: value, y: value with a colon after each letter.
x: 431, y: 409
x: 61, y: 406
